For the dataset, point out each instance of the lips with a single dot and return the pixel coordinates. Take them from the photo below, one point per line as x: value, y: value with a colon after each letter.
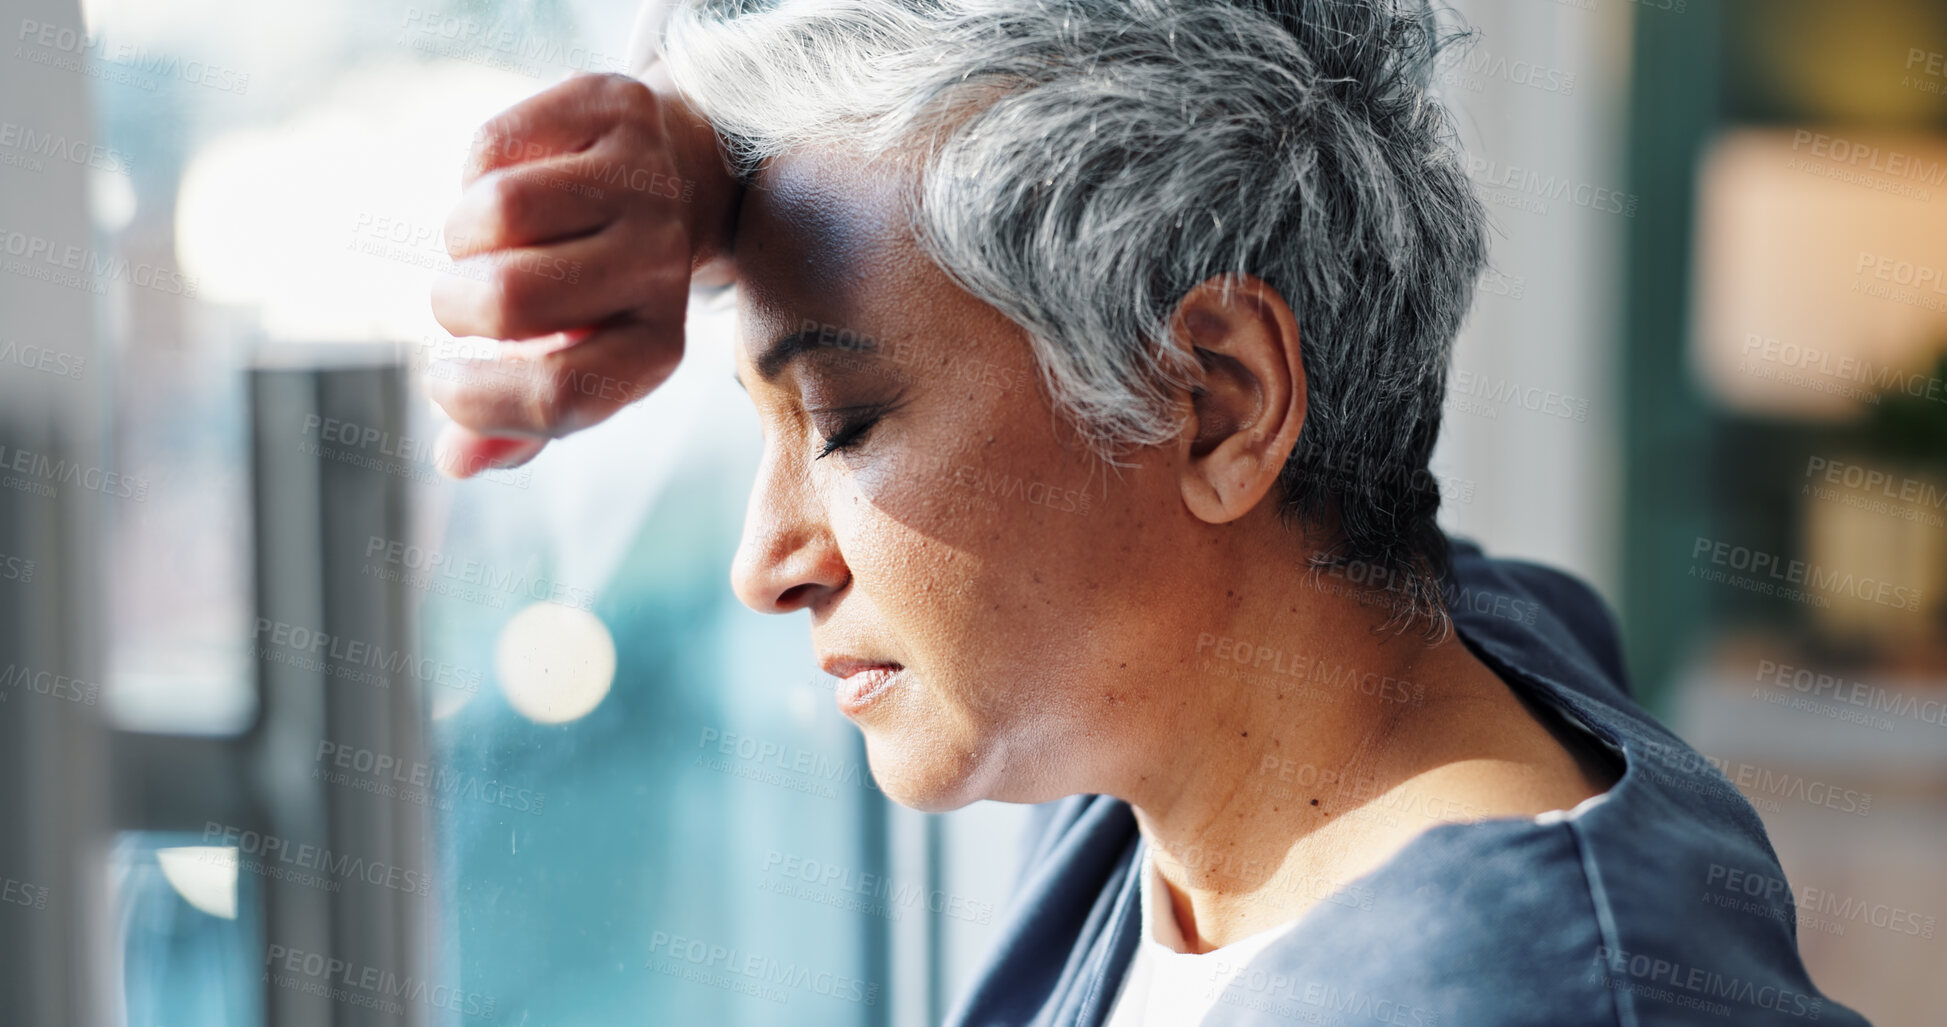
x: 861, y: 681
x: 846, y: 666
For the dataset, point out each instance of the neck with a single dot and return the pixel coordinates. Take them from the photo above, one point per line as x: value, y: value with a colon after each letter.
x: 1282, y: 720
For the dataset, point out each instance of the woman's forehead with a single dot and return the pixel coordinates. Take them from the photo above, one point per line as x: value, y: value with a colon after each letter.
x: 821, y: 207
x: 829, y: 234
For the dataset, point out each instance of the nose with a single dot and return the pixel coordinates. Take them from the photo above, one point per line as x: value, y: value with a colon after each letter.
x: 787, y: 559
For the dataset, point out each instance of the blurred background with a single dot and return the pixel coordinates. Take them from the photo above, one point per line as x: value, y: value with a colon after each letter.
x: 296, y: 732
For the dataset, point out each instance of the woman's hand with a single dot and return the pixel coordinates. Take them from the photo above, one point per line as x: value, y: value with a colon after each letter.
x: 586, y: 211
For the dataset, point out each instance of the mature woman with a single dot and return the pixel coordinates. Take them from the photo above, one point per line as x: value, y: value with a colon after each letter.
x: 1099, y: 347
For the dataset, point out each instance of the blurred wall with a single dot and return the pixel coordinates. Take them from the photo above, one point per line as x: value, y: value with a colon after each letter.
x: 1533, y: 416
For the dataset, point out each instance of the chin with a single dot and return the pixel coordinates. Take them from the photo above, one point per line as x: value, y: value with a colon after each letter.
x: 921, y: 767
x: 924, y: 769
x: 922, y: 775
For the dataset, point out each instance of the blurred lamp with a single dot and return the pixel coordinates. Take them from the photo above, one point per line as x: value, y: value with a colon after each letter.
x: 1821, y: 269
x: 555, y: 663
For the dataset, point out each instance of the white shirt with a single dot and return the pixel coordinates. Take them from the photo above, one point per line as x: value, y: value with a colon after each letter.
x: 1166, y: 986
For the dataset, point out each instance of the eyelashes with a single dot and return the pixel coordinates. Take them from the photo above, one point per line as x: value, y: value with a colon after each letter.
x: 851, y: 432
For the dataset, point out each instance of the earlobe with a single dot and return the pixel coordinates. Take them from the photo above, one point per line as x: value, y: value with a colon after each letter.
x: 1250, y: 404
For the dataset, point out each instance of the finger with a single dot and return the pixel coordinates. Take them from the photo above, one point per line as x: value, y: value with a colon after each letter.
x: 527, y: 205
x: 463, y: 453
x: 564, y: 390
x: 567, y: 118
x: 526, y: 292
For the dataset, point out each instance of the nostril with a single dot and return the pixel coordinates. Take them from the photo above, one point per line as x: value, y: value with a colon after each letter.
x: 796, y: 596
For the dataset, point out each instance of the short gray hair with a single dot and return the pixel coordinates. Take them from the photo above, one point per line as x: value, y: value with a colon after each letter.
x: 1087, y: 162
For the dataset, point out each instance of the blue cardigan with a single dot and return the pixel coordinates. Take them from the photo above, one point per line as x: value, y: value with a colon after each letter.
x: 1637, y: 911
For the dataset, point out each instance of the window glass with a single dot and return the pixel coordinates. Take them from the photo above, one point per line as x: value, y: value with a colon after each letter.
x: 189, y: 931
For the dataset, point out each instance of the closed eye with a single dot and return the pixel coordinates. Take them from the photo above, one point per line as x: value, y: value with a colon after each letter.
x: 856, y: 421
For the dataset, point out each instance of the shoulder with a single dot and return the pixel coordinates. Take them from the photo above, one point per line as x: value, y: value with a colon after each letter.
x: 1541, y: 611
x: 1529, y: 922
x: 1484, y: 923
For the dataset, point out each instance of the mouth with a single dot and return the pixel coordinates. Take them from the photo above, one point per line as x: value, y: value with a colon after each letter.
x: 861, y: 683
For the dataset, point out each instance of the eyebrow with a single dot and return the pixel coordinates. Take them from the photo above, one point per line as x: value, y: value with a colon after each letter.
x: 773, y: 358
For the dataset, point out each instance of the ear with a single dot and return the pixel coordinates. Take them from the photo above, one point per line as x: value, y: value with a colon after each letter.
x: 1247, y: 411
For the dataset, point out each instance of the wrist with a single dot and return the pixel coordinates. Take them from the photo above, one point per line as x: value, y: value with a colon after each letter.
x: 709, y: 193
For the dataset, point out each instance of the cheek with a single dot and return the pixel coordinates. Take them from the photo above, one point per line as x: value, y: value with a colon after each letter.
x: 982, y: 472
x: 914, y: 580
x: 995, y: 584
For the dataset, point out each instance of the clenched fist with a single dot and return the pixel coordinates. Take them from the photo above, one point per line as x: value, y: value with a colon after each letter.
x: 586, y: 211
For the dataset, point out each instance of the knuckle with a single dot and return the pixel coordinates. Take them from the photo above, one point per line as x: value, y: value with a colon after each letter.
x: 659, y: 280
x: 493, y: 308
x: 448, y: 307
x: 507, y: 299
x: 512, y: 205
x: 457, y: 234
x: 625, y: 90
x: 632, y: 105
x: 496, y: 133
x: 542, y: 403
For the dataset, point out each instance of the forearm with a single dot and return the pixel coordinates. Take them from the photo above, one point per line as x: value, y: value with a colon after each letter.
x: 707, y: 184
